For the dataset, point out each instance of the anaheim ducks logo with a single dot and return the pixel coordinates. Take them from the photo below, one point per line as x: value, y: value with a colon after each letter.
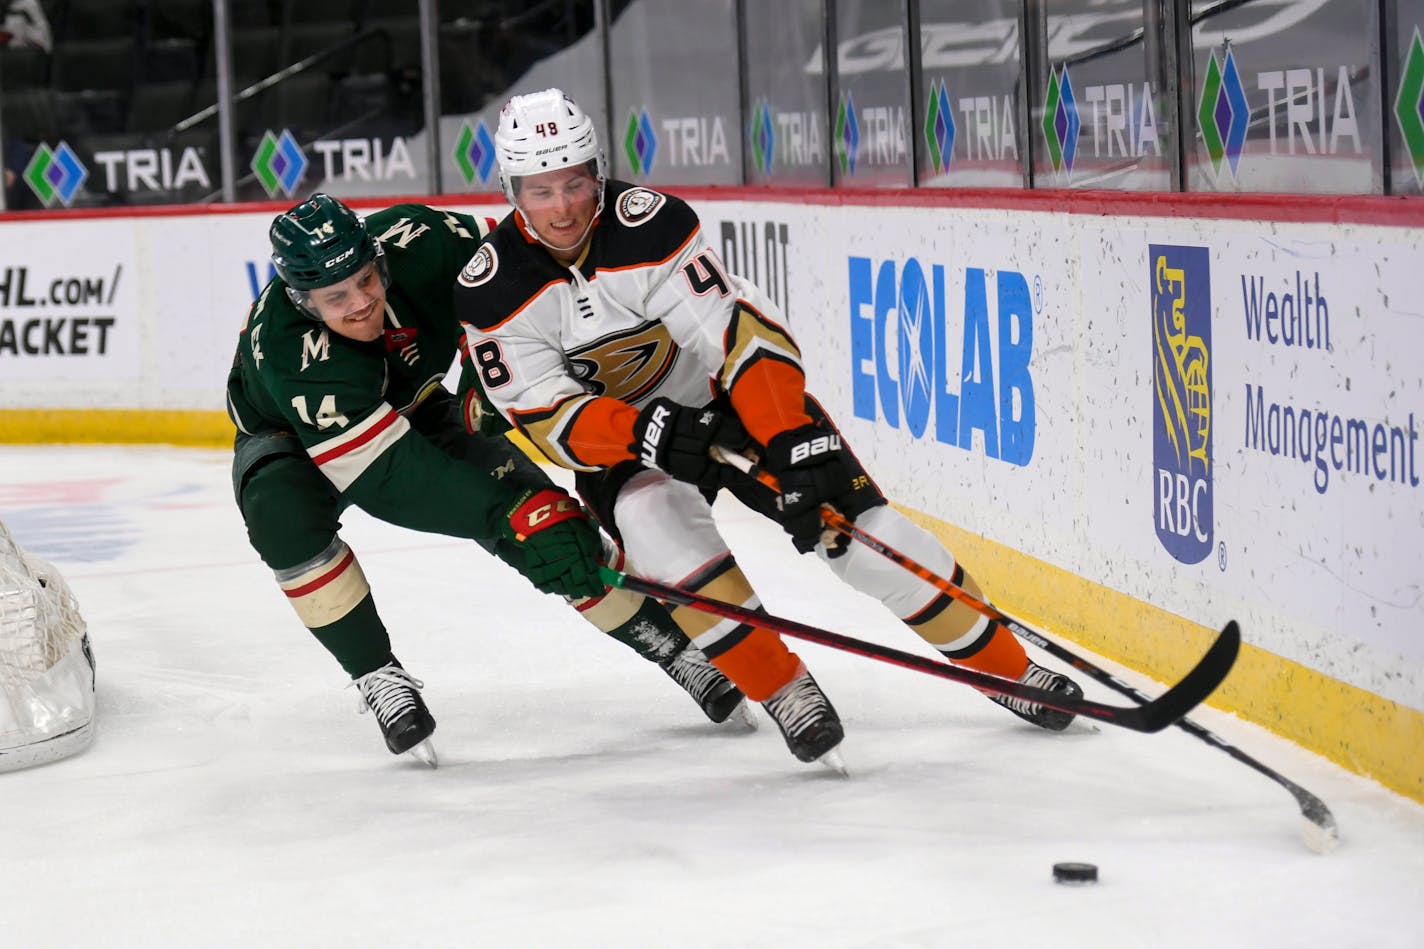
x: 626, y: 365
x: 637, y: 205
x: 480, y: 267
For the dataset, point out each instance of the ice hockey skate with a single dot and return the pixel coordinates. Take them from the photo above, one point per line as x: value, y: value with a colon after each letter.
x: 393, y: 695
x: 808, y: 721
x: 720, y: 700
x: 1040, y: 678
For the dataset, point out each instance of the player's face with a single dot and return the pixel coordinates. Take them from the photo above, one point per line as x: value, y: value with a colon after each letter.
x: 355, y: 307
x: 559, y: 206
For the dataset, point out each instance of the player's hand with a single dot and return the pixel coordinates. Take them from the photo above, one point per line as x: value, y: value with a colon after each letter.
x: 677, y: 438
x: 561, y: 548
x: 811, y: 467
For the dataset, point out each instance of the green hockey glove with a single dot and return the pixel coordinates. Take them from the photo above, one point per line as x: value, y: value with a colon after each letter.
x: 560, y: 546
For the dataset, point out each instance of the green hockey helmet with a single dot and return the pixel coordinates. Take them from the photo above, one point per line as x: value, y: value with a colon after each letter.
x: 321, y: 242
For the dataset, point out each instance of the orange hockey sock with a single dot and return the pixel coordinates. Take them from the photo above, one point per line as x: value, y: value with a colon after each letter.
x: 1003, y: 655
x: 759, y: 664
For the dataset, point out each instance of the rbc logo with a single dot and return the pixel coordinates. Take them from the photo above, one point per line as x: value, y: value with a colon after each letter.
x: 899, y: 338
x: 1181, y: 417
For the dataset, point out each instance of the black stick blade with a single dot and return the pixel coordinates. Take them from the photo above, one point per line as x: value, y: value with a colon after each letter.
x: 1173, y: 705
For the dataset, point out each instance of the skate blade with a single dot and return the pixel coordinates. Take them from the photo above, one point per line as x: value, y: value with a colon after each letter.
x: 833, y: 760
x: 425, y: 754
x: 741, y: 719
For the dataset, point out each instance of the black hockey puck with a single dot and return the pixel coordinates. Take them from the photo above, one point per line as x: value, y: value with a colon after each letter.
x: 1075, y: 873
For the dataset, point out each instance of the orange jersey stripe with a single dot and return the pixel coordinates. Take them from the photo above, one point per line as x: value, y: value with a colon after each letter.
x: 602, y: 432
x: 770, y: 398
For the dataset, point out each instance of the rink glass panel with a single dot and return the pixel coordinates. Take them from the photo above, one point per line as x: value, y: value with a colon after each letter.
x: 870, y: 115
x: 1404, y: 117
x: 485, y: 60
x: 1284, y: 98
x: 1097, y: 118
x: 787, y: 138
x: 969, y: 105
x: 349, y: 120
x: 676, y: 110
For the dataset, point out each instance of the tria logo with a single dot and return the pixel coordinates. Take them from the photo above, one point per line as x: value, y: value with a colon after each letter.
x: 55, y: 175
x: 939, y: 128
x: 1061, y: 122
x: 763, y: 138
x: 1223, y: 113
x: 474, y: 152
x: 279, y: 163
x: 1409, y: 105
x: 152, y: 169
x: 640, y: 142
x: 847, y: 135
x: 785, y: 140
x: 685, y: 141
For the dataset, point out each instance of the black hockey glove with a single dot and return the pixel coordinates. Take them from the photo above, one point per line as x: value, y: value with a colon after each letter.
x: 560, y: 548
x: 677, y: 438
x: 810, y: 465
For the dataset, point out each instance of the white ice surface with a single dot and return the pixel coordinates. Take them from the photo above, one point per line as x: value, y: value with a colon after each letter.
x: 233, y: 797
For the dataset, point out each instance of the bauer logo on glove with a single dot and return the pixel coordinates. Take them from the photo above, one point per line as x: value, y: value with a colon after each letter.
x: 678, y: 439
x: 652, y: 436
x: 808, y: 450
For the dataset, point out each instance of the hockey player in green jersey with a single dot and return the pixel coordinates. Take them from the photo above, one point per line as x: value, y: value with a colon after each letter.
x: 337, y: 398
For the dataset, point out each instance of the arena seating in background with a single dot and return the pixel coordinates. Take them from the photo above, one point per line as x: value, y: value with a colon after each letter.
x: 123, y: 73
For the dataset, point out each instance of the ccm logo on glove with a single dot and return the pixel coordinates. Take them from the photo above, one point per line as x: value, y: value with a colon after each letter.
x: 821, y: 445
x: 542, y: 510
x: 653, y: 434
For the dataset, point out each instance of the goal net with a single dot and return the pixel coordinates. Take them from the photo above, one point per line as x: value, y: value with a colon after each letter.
x: 46, y: 667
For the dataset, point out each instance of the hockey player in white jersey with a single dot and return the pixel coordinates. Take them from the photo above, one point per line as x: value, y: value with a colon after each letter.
x: 602, y: 324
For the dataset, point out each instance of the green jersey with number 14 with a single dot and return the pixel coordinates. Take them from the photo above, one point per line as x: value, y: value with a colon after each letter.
x: 348, y: 401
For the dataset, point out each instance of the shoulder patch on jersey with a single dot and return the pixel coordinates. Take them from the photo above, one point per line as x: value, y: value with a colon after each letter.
x: 637, y: 205
x: 481, y: 267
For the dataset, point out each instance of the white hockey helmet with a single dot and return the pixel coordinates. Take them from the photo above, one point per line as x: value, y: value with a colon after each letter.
x: 544, y: 131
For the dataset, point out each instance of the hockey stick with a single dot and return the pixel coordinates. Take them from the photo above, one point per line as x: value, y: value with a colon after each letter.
x: 1153, y: 716
x: 1319, y: 830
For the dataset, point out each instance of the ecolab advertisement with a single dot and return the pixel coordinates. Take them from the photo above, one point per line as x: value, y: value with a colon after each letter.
x: 1219, y: 418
